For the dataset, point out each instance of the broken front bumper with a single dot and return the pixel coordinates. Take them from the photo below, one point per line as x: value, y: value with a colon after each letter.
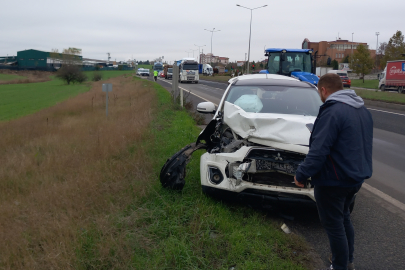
x: 245, y: 175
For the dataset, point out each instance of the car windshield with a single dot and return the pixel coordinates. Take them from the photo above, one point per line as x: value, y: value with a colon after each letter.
x: 275, y: 99
x: 170, y: 70
x: 294, y: 61
x: 342, y: 74
x: 190, y: 66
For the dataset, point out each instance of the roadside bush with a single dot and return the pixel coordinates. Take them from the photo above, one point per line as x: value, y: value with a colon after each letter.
x: 97, y: 76
x: 71, y: 74
x: 81, y: 77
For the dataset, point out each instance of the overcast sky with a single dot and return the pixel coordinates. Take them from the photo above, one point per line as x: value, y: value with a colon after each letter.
x: 146, y: 29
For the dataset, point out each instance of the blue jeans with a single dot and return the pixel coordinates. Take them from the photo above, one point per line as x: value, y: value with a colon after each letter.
x: 333, y: 209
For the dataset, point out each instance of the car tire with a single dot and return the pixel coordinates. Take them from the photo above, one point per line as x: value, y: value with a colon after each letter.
x: 382, y: 88
x: 196, y: 81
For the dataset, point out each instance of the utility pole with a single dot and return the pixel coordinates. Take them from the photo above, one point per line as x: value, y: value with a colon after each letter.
x: 199, y: 54
x: 376, y: 48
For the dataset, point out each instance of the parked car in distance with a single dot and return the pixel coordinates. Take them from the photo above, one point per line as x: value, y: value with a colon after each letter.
x: 254, y: 144
x: 346, y: 81
x: 341, y: 73
x: 143, y: 72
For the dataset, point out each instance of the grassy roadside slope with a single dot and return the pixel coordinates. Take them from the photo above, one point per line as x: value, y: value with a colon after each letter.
x: 381, y: 96
x: 82, y: 192
x: 10, y: 77
x: 22, y: 99
x: 188, y: 230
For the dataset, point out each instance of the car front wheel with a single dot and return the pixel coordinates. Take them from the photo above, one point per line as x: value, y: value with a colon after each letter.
x: 382, y: 88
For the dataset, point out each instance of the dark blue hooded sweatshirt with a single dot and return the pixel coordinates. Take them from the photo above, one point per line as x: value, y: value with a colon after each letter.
x: 341, y: 142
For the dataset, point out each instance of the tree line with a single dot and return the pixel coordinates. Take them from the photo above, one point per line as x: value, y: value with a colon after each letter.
x: 362, y: 63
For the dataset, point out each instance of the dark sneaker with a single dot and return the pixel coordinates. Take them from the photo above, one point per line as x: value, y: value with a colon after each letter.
x: 350, y: 266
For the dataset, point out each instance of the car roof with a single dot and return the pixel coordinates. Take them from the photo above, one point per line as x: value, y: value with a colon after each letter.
x: 273, y: 80
x: 261, y: 76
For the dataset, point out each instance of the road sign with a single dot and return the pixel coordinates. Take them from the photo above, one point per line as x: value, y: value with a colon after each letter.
x: 403, y: 66
x: 107, y: 87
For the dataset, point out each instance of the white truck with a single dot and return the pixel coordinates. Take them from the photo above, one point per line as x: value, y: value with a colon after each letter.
x: 188, y: 70
x: 322, y: 71
x: 207, y: 70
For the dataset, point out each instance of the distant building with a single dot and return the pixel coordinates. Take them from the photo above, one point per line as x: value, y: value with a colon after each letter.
x: 8, y: 60
x: 36, y: 59
x: 210, y: 58
x: 223, y: 60
x: 336, y: 50
x: 240, y: 63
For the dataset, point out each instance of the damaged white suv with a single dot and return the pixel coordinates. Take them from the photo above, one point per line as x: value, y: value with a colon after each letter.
x: 255, y: 142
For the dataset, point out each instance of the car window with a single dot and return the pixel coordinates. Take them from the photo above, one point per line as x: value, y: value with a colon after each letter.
x: 276, y: 99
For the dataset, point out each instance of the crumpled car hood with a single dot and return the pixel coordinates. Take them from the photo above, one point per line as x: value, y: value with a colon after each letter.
x: 268, y: 128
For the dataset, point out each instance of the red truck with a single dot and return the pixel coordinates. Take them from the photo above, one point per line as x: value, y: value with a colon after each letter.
x: 393, y: 77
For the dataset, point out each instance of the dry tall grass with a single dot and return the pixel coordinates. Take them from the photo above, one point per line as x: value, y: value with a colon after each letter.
x: 66, y: 169
x: 31, y: 76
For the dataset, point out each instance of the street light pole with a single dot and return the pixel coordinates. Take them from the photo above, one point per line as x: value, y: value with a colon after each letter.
x: 376, y: 48
x: 199, y: 54
x: 212, y: 33
x: 250, y: 32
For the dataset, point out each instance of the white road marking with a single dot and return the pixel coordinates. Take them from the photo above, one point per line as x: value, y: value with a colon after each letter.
x: 386, y: 112
x: 384, y: 196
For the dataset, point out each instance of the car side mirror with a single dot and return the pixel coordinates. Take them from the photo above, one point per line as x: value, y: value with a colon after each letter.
x: 206, y: 107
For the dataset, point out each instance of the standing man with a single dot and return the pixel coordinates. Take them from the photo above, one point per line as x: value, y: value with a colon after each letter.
x: 338, y: 162
x: 155, y: 74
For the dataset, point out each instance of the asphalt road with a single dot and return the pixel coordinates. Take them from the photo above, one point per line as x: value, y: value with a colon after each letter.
x: 379, y: 224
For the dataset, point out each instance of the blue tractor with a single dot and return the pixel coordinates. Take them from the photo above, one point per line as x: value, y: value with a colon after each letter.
x: 296, y: 63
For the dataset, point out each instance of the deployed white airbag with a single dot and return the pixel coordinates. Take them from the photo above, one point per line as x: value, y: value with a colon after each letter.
x: 250, y: 103
x: 281, y: 128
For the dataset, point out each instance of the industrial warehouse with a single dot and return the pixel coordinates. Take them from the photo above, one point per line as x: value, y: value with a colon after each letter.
x: 51, y: 61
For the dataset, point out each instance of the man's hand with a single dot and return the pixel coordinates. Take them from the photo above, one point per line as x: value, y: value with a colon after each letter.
x: 298, y: 184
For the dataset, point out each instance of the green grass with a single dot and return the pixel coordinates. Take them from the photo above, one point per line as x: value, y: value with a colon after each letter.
x: 371, y: 84
x: 9, y: 77
x: 18, y: 100
x: 381, y: 96
x: 188, y: 230
x: 146, y: 66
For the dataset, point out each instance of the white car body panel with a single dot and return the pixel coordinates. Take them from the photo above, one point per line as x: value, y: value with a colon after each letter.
x: 281, y: 128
